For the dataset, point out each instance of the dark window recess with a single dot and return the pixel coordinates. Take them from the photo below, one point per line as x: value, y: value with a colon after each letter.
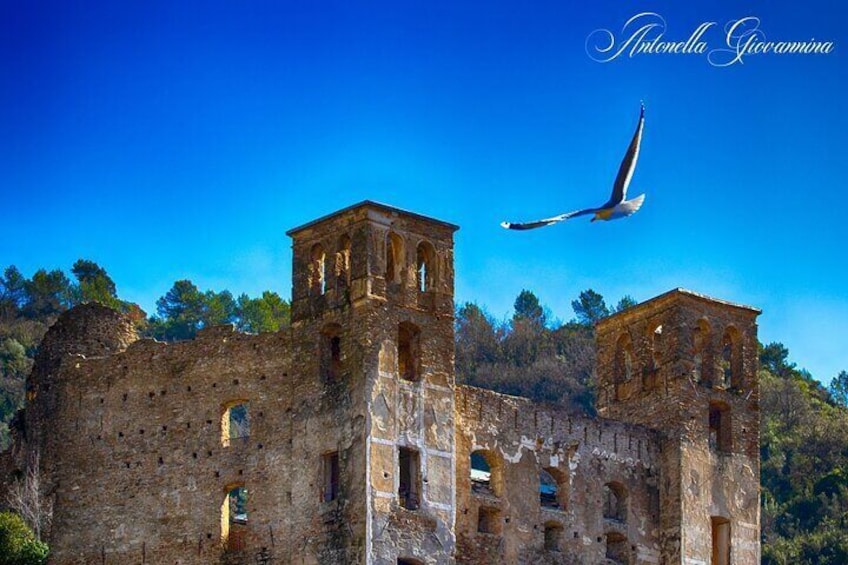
x: 330, y: 482
x: 330, y: 355
x: 720, y: 433
x: 409, y: 486
x: 408, y: 352
x: 488, y: 520
x: 553, y: 534
x: 618, y: 551
x: 615, y: 502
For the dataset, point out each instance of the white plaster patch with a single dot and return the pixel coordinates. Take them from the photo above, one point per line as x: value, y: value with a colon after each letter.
x: 628, y: 461
x: 574, y: 461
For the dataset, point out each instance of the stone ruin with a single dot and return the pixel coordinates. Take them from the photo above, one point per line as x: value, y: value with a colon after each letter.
x: 345, y: 439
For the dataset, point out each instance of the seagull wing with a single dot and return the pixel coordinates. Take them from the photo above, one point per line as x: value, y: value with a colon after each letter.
x: 546, y: 221
x: 628, y: 165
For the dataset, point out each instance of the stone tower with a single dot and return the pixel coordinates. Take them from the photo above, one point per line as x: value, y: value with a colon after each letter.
x: 686, y: 365
x: 372, y: 324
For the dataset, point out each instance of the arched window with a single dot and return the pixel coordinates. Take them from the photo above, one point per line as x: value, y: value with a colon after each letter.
x: 657, y: 348
x: 553, y: 489
x: 331, y: 353
x: 426, y: 272
x: 701, y: 364
x: 652, y: 378
x: 486, y: 473
x: 624, y: 359
x: 719, y: 427
x: 409, y: 362
x: 343, y: 262
x: 235, y: 422
x: 394, y: 258
x: 730, y: 367
x: 615, y: 502
x: 617, y: 548
x: 234, y: 517
x: 317, y: 270
x: 553, y: 536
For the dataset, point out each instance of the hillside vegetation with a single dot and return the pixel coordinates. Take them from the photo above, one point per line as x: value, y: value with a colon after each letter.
x: 804, y: 428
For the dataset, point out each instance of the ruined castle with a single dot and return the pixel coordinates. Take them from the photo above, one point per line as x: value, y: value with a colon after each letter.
x: 345, y: 439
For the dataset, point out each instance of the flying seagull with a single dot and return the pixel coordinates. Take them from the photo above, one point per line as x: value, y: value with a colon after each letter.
x: 617, y: 206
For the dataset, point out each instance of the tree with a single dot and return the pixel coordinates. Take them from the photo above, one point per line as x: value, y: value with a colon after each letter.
x: 218, y: 308
x: 477, y: 340
x: 626, y: 302
x: 590, y: 307
x: 12, y: 292
x: 18, y: 543
x: 527, y: 308
x: 774, y: 357
x: 47, y: 294
x: 839, y: 389
x: 268, y: 313
x: 95, y: 285
x: 181, y: 312
x: 26, y: 497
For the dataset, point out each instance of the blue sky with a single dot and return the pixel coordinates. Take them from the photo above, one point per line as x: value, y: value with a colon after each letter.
x: 182, y: 141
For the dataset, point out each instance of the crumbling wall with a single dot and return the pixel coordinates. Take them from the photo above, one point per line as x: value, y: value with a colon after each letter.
x: 138, y: 466
x: 585, y: 453
x: 142, y: 471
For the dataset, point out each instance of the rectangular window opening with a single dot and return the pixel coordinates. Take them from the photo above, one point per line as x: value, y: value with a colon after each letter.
x: 330, y: 465
x: 719, y: 429
x: 409, y: 475
x: 488, y: 520
x: 721, y: 540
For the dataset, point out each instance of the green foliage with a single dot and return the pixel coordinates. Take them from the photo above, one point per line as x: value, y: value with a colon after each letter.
x: 804, y: 449
x: 626, y: 302
x: 47, y: 294
x: 268, y: 313
x: 181, y: 312
x: 184, y: 310
x: 12, y: 292
x: 839, y: 389
x: 774, y: 357
x: 590, y: 307
x: 525, y: 357
x: 95, y: 285
x: 18, y: 544
x: 528, y: 309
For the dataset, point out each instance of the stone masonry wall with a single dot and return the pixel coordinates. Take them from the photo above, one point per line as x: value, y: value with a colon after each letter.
x: 585, y: 454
